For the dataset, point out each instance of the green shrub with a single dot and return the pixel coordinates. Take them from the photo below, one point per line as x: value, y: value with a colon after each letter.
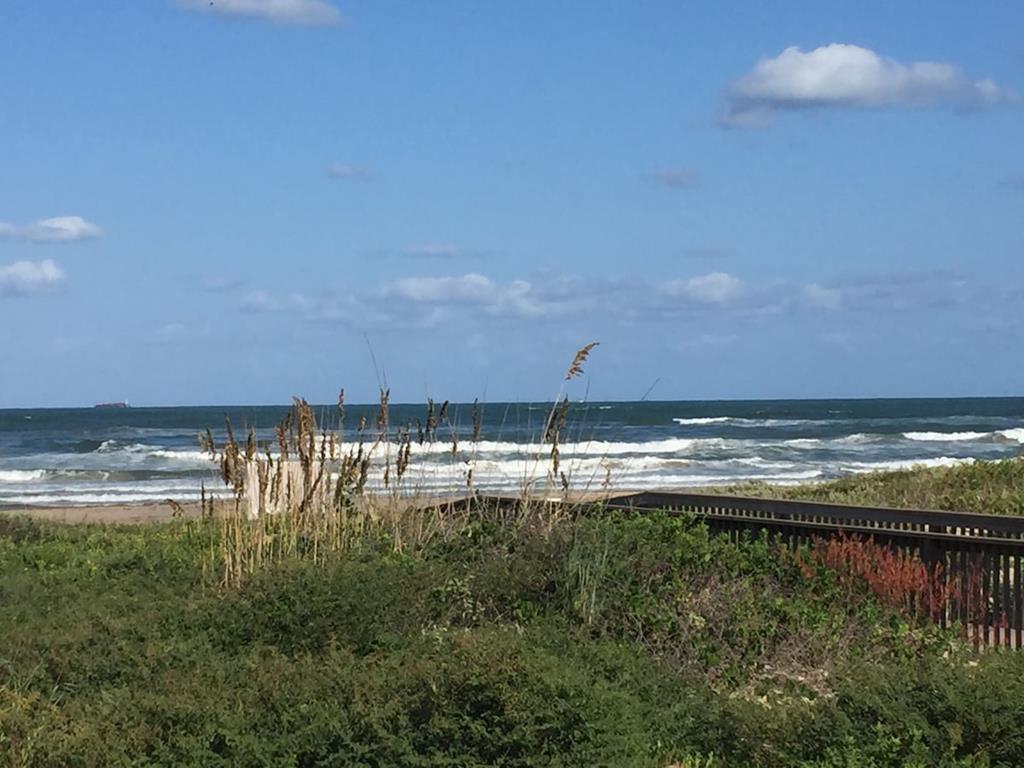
x: 989, y: 487
x: 601, y: 641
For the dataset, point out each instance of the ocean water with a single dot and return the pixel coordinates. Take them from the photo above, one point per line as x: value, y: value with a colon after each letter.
x: 96, y: 456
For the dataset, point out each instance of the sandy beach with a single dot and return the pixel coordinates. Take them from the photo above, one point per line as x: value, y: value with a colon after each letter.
x: 162, y: 512
x: 156, y: 512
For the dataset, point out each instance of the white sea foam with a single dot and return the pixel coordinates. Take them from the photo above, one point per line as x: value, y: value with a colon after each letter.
x: 191, y: 457
x: 21, y: 475
x: 77, y: 499
x: 442, y: 449
x: 581, y: 448
x: 703, y: 420
x: 111, y: 494
x: 946, y: 437
x: 1013, y: 434
x: 116, y: 446
x: 859, y: 437
x: 738, y: 421
x: 880, y: 466
x: 761, y: 463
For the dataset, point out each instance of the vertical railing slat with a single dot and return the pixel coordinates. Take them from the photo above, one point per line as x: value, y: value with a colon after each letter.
x: 1018, y: 603
x: 1006, y: 614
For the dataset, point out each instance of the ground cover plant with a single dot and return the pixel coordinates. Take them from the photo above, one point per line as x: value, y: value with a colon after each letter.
x: 506, y: 640
x: 989, y: 487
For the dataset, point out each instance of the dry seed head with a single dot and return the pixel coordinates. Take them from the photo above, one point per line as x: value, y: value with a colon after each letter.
x: 556, y: 421
x: 576, y: 367
x: 206, y: 443
x: 404, y: 453
x: 431, y: 419
x: 476, y: 421
x: 364, y: 471
x: 282, y: 435
x: 382, y: 411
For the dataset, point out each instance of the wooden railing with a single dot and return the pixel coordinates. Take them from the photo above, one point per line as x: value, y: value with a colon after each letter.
x: 978, y: 558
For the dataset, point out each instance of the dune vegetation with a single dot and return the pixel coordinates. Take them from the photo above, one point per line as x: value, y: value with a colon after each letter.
x: 538, y: 636
x: 306, y: 622
x: 988, y: 487
x: 587, y: 641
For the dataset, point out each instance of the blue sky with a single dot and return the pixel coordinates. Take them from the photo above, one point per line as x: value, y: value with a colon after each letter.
x: 233, y: 202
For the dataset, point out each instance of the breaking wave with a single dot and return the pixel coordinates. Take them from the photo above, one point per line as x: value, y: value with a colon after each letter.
x: 883, y: 466
x: 631, y: 446
x: 1017, y: 435
x: 1014, y: 435
x: 946, y: 437
x: 21, y: 475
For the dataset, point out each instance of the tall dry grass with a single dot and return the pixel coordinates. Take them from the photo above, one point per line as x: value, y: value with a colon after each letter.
x: 308, y: 495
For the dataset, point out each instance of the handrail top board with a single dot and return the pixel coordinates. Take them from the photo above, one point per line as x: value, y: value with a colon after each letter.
x: 1011, y: 546
x: 782, y: 509
x: 786, y: 507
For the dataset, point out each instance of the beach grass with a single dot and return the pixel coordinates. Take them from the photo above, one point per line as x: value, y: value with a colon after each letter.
x: 308, y: 495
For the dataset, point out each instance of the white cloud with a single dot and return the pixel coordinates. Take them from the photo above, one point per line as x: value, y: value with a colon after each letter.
x: 928, y: 289
x: 821, y: 296
x: 713, y: 288
x: 472, y: 288
x: 517, y: 298
x: 476, y: 299
x: 312, y: 13
x: 60, y: 229
x: 348, y: 172
x: 25, y: 277
x: 842, y: 75
x: 677, y: 178
x: 260, y: 301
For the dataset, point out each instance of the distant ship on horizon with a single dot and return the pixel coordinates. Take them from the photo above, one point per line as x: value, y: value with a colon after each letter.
x: 118, y: 404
